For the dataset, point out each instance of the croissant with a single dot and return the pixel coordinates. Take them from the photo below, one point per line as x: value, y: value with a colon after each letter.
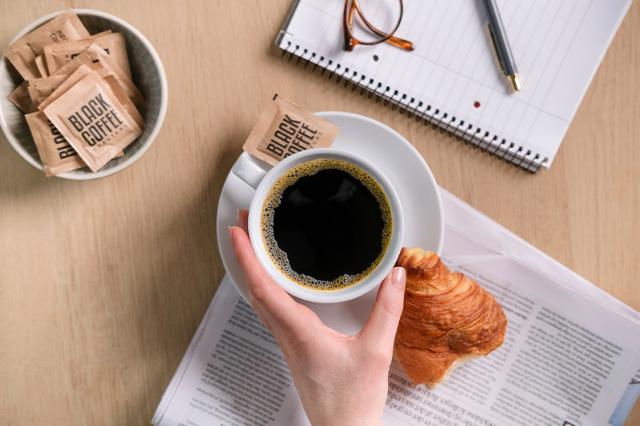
x: 447, y: 318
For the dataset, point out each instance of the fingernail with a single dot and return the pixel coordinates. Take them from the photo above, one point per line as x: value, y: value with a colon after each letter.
x: 230, y: 228
x: 398, y: 276
x: 238, y: 217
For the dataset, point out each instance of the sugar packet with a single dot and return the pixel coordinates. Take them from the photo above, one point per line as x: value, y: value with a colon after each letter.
x: 22, y: 53
x: 20, y: 98
x: 56, y: 155
x: 69, y: 81
x: 107, y: 75
x: 283, y: 128
x: 95, y: 58
x: 93, y: 121
x: 56, y: 55
x: 103, y: 58
x: 82, y: 59
x: 40, y: 88
x: 44, y: 91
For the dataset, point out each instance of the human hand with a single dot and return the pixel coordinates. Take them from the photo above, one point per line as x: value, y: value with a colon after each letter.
x: 341, y: 379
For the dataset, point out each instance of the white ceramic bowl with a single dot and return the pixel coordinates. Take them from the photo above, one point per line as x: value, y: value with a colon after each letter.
x: 148, y: 75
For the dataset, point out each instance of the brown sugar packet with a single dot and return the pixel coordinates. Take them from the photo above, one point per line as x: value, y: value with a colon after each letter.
x: 83, y: 71
x: 103, y: 58
x: 97, y: 58
x: 69, y: 81
x: 40, y: 88
x: 92, y: 120
x: 40, y: 65
x: 56, y: 154
x: 22, y: 53
x: 58, y: 89
x: 23, y: 60
x: 283, y: 128
x: 56, y: 55
x: 63, y: 28
x: 20, y: 98
x: 82, y: 59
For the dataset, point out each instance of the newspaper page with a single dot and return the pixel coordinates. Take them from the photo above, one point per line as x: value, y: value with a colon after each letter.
x: 566, y: 360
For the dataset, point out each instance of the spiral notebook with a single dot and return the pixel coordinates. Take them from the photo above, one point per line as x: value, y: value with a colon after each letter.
x: 451, y: 78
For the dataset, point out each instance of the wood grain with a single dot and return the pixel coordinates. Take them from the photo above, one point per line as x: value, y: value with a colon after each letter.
x: 103, y: 283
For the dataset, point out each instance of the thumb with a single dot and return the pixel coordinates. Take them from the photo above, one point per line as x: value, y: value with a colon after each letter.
x: 380, y: 330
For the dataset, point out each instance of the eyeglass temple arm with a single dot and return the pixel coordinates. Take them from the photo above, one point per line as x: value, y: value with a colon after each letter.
x: 395, y: 41
x: 400, y: 42
x: 348, y: 20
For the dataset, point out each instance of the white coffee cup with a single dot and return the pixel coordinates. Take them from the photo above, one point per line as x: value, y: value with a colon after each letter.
x: 255, y: 174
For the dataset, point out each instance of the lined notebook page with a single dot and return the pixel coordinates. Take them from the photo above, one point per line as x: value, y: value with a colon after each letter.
x: 557, y: 45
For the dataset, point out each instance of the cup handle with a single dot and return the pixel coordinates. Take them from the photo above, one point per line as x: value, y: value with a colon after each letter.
x: 250, y: 170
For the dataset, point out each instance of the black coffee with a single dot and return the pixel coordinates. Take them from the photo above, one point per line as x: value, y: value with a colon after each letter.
x: 326, y: 224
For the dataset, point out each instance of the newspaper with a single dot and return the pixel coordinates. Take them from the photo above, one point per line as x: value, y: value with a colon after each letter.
x: 571, y: 355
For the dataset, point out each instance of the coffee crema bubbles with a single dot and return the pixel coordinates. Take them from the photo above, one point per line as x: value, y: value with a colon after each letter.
x: 326, y: 224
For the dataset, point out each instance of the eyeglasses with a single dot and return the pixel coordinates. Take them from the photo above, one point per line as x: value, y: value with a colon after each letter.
x: 353, y: 8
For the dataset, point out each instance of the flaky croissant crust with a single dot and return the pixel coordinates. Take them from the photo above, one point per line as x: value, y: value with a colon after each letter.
x: 446, y: 317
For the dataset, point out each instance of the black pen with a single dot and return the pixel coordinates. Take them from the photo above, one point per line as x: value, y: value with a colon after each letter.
x: 500, y: 44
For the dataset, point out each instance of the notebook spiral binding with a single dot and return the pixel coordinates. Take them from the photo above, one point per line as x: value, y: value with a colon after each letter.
x: 440, y: 120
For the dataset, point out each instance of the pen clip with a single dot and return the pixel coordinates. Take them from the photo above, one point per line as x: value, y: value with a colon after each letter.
x: 496, y: 55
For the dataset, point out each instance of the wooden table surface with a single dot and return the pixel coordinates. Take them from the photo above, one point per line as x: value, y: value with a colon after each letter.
x: 103, y: 283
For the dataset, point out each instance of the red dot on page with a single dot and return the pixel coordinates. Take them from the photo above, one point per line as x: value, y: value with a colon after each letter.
x: 476, y: 104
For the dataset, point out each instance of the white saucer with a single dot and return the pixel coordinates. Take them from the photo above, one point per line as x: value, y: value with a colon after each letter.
x: 409, y: 175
